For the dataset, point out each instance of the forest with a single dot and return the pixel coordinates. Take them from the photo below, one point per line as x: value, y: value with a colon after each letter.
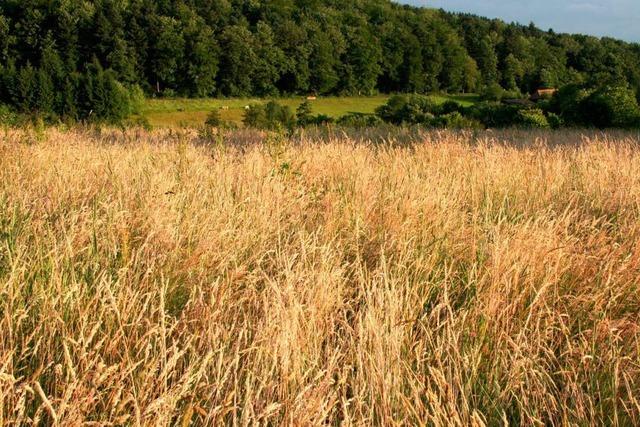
x: 77, y: 59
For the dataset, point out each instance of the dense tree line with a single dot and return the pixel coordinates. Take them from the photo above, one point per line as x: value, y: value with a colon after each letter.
x: 78, y: 58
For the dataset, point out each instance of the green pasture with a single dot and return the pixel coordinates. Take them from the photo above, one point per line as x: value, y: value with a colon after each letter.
x: 178, y: 112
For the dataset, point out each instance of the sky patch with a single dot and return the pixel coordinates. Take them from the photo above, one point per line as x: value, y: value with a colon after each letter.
x: 613, y: 18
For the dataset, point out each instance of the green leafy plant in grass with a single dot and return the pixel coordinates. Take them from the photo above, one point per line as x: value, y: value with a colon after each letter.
x: 177, y: 298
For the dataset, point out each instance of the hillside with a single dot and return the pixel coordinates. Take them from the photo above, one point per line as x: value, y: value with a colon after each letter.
x: 69, y: 57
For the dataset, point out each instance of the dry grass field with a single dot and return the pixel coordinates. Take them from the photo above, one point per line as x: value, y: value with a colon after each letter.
x: 460, y: 279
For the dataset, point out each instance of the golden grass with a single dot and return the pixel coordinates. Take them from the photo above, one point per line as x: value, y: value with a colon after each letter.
x: 153, y: 279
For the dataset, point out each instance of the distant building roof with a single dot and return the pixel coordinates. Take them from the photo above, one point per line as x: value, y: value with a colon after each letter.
x: 543, y: 93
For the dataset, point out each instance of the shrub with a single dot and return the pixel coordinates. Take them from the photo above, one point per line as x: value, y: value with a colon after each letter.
x: 319, y: 120
x: 493, y: 92
x: 279, y: 116
x: 306, y: 118
x: 214, y: 119
x: 271, y: 116
x: 450, y: 107
x: 101, y: 97
x: 555, y: 121
x: 254, y: 117
x: 136, y: 99
x: 492, y: 114
x: 8, y: 117
x: 532, y: 118
x: 304, y: 113
x: 456, y: 120
x: 611, y: 106
x: 391, y: 112
x: 567, y: 103
x: 359, y: 120
x: 414, y: 109
x: 322, y: 119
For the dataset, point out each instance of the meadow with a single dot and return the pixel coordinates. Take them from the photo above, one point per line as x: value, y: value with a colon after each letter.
x: 433, y: 278
x: 186, y: 112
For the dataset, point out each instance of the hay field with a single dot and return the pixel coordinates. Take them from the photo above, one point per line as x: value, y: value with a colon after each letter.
x: 462, y: 279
